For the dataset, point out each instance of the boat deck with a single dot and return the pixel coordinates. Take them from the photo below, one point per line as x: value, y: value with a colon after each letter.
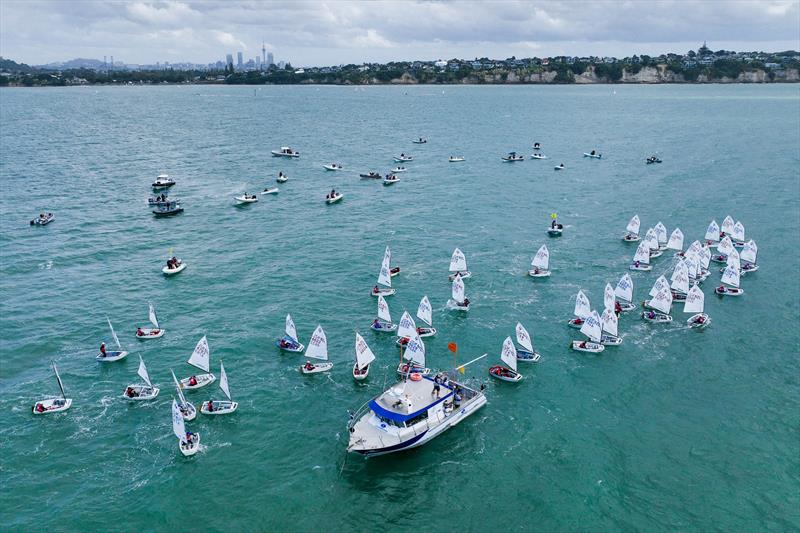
x: 410, y: 396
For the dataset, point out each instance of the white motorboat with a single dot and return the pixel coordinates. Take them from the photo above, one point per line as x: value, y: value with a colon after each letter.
x: 220, y: 407
x: 391, y: 179
x: 53, y: 405
x: 333, y: 198
x: 188, y: 442
x: 403, y: 158
x: 136, y: 392
x: 371, y: 175
x: 455, y: 159
x: 333, y: 167
x: 155, y: 332
x: 317, y: 349
x: 540, y: 264
x: 364, y: 358
x: 171, y: 271
x: 559, y: 167
x: 527, y: 353
x: 538, y: 156
x: 246, y: 199
x: 285, y: 151
x: 420, y: 141
x: 200, y: 358
x: 289, y: 342
x: 397, y: 170
x: 168, y: 209
x: 163, y: 181
x: 43, y: 219
x: 111, y: 356
x: 512, y: 157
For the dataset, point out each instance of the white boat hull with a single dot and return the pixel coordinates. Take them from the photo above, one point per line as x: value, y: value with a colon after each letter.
x: 335, y: 199
x: 202, y: 381
x: 360, y: 375
x: 729, y: 291
x: 464, y: 275
x: 148, y: 334
x: 383, y: 327
x: 172, y: 271
x: 191, y: 447
x: 539, y: 273
x: 53, y: 405
x: 292, y: 346
x: 576, y: 323
x: 456, y: 159
x: 505, y: 374
x: 189, y: 413
x: 426, y: 332
x: 628, y: 237
x: 316, y: 368
x: 656, y: 317
x: 593, y: 156
x: 242, y: 200
x: 383, y: 292
x: 555, y: 232
x: 524, y: 356
x: 626, y: 306
x: 110, y: 357
x: 221, y: 407
x: 641, y: 268
x: 273, y: 190
x: 403, y: 369
x: 610, y: 340
x: 140, y: 393
x: 455, y: 306
x: 587, y: 346
x: 694, y: 321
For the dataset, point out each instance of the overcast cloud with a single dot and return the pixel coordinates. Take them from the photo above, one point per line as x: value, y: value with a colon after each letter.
x: 332, y: 32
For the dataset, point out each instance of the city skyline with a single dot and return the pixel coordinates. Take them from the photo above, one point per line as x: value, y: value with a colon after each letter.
x: 320, y: 33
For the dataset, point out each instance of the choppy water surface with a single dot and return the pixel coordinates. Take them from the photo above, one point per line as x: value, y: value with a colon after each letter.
x: 672, y: 430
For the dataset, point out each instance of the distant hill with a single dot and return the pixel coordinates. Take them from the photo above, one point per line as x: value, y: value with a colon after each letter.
x: 7, y: 65
x: 78, y: 63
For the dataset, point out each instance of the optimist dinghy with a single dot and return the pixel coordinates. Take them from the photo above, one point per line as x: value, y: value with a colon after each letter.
x: 730, y: 282
x: 384, y: 277
x: 150, y: 333
x: 137, y: 393
x: 163, y: 181
x: 540, y: 265
x: 402, y: 158
x: 317, y: 349
x: 593, y: 155
x: 397, y: 170
x: 582, y: 310
x: 383, y: 323
x: 593, y: 330
x: 390, y: 179
x: 364, y: 358
x: 632, y: 230
x: 270, y: 190
x: 220, y: 407
x: 188, y: 442
x: 187, y: 410
x: 200, y: 358
x: 659, y: 306
x: 641, y: 259
x: 624, y: 293
x: 246, y: 199
x: 559, y: 167
x: 458, y: 266
x: 110, y: 357
x: 509, y: 356
x: 168, y: 209
x: 53, y: 405
x: 695, y: 301
x: 526, y: 354
x: 458, y: 302
x: 332, y: 167
x: 425, y: 313
x: 289, y: 342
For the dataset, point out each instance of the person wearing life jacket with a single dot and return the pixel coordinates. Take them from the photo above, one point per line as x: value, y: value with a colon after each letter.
x: 617, y: 307
x: 103, y: 349
x: 210, y: 406
x: 40, y: 408
x: 308, y: 366
x: 192, y: 381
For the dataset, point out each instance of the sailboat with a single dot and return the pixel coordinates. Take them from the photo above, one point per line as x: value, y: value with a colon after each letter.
x: 200, y: 358
x: 540, y: 263
x: 680, y: 282
x: 384, y: 277
x: 676, y: 241
x: 141, y: 392
x: 53, y: 405
x: 383, y: 323
x: 414, y: 354
x: 110, y: 357
x: 364, y: 357
x: 609, y: 327
x: 593, y: 330
x: 220, y: 407
x: 609, y: 298
x: 726, y: 228
x: 695, y: 300
x: 526, y: 353
x: 289, y: 342
x: 661, y: 236
x: 641, y: 259
x: 660, y: 306
x: 509, y: 356
x: 393, y: 270
x: 661, y: 283
x: 632, y: 230
x: 749, y: 256
x: 652, y: 243
x: 582, y: 310
x: 188, y: 442
x: 150, y: 333
x: 738, y: 234
x: 724, y: 248
x: 425, y: 313
x: 187, y: 409
x: 317, y: 349
x: 730, y: 282
x: 458, y: 266
x: 712, y: 234
x: 458, y: 301
x: 624, y: 291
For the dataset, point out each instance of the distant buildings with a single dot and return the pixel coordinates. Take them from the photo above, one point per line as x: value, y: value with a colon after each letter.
x: 270, y: 59
x: 229, y: 60
x: 239, y: 64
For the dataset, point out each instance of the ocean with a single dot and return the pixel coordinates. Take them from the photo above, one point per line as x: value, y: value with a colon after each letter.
x: 672, y: 430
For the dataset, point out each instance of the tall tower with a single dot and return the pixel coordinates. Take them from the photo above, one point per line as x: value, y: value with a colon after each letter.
x: 263, y: 52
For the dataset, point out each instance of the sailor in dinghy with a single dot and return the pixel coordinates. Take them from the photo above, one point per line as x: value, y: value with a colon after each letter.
x: 150, y: 333
x: 540, y: 264
x: 187, y: 410
x: 200, y: 358
x: 632, y: 230
x: 556, y: 229
x: 414, y: 354
x: 509, y: 356
x: 109, y: 357
x: 624, y: 291
x: 188, y: 442
x: 459, y: 301
x: 712, y: 235
x: 609, y: 328
x: 317, y: 349
x: 582, y: 310
x: 384, y: 277
x: 174, y: 266
x: 676, y: 242
x: 659, y: 307
x: 383, y: 323
x: 425, y: 313
x: 641, y: 259
x: 527, y: 353
x: 458, y: 266
x: 749, y: 257
x: 593, y: 330
x: 333, y: 197
x: 289, y: 342
x: 141, y: 392
x: 220, y: 407
x: 364, y: 358
x: 695, y: 301
x: 53, y: 405
x: 730, y: 282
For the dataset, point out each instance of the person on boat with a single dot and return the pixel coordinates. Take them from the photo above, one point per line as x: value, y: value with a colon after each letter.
x: 636, y: 263
x: 457, y: 397
x: 376, y: 290
x: 617, y: 308
x: 436, y: 381
x: 192, y: 381
x: 376, y: 324
x: 561, y: 165
x: 210, y: 406
x: 582, y: 344
x: 593, y: 152
x: 465, y: 303
x: 700, y: 319
x: 308, y: 366
x: 40, y: 408
x: 189, y: 436
x: 139, y: 332
x: 651, y: 315
x: 103, y: 349
x: 721, y: 288
x: 535, y: 146
x: 404, y: 340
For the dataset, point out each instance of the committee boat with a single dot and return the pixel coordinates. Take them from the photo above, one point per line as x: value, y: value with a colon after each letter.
x: 285, y: 151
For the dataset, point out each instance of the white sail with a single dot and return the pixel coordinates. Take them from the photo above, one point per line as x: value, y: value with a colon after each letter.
x: 661, y: 283
x: 591, y: 327
x: 177, y: 422
x: 651, y: 239
x: 676, y: 240
x: 712, y: 233
x: 582, y: 306
x: 223, y: 381
x: 749, y: 252
x: 178, y: 388
x: 153, y: 318
x: 642, y: 253
x: 694, y: 247
x: 695, y: 300
x: 406, y: 327
x: 458, y: 289
x: 608, y: 297
x: 201, y: 355
x: 730, y: 276
x: 680, y: 281
x: 113, y: 334
x: 384, y: 278
x: 458, y: 262
x: 609, y: 322
x: 143, y: 372
x: 542, y: 258
x: 415, y: 350
x: 733, y: 260
x: 725, y: 245
x: 523, y: 338
x: 662, y: 301
x: 424, y: 311
x: 625, y: 288
x: 364, y: 355
x: 681, y: 264
x: 383, y: 310
x: 692, y: 262
x: 727, y: 225
x: 661, y: 233
x: 509, y: 354
x: 633, y: 225
x: 58, y: 379
x: 705, y: 256
x: 318, y: 345
x: 291, y: 330
x: 738, y: 231
x: 387, y: 254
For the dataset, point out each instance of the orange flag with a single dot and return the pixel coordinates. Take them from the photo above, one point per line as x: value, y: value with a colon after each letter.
x: 453, y: 347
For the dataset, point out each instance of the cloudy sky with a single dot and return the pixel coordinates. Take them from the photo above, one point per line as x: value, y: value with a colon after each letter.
x: 345, y: 31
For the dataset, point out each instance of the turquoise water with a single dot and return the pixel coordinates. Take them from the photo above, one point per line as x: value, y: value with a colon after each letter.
x: 673, y: 430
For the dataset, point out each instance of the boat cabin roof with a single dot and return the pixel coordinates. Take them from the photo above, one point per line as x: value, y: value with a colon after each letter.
x: 407, y: 400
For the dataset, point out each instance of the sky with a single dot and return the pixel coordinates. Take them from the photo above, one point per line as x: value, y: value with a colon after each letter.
x: 315, y: 33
